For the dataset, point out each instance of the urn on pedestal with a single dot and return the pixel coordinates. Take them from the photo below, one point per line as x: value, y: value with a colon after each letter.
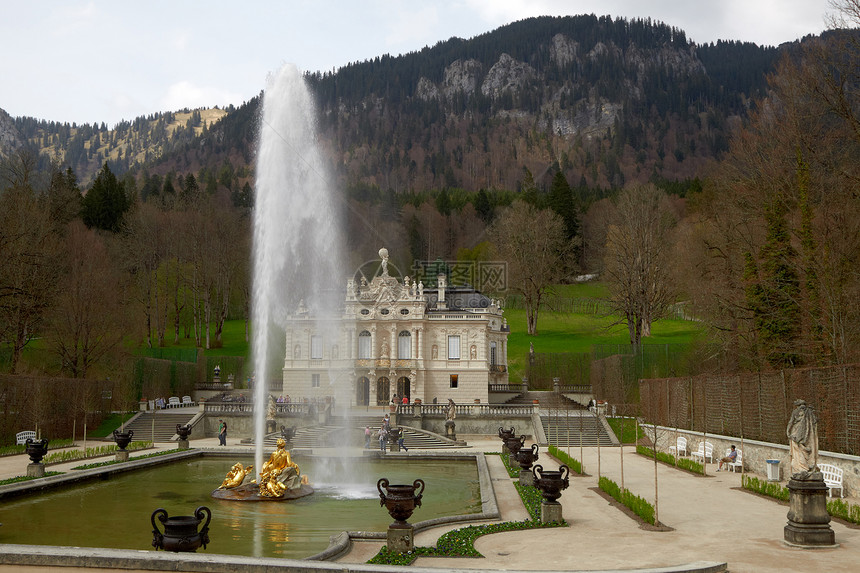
x: 400, y: 500
x: 180, y: 532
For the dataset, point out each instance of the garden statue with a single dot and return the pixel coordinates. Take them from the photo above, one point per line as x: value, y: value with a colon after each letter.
x: 802, y: 432
x: 808, y: 519
x: 280, y: 473
x: 235, y: 476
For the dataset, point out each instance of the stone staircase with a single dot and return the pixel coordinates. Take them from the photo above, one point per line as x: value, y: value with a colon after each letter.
x: 338, y: 432
x: 565, y: 431
x: 547, y: 399
x: 165, y: 424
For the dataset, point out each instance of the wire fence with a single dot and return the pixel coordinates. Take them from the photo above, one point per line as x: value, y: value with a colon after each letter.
x: 56, y: 406
x: 758, y: 405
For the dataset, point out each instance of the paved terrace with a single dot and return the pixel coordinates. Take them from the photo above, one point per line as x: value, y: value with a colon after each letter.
x: 714, y: 522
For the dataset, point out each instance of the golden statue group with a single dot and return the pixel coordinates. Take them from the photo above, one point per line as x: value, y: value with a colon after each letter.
x: 279, y: 478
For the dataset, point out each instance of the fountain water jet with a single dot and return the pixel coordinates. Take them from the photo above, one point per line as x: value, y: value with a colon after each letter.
x: 297, y: 237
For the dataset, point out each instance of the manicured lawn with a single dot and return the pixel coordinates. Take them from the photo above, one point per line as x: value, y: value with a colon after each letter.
x: 232, y: 338
x: 562, y: 332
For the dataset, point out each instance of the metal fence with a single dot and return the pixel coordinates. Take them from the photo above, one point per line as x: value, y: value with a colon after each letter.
x: 616, y: 369
x: 758, y: 405
x: 571, y: 368
x: 55, y: 406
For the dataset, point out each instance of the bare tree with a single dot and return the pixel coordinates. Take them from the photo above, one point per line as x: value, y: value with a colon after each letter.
x: 88, y: 316
x: 537, y: 252
x: 637, y: 261
x: 29, y: 269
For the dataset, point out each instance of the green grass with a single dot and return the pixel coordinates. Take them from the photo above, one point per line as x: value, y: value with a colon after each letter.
x: 110, y: 423
x: 624, y: 428
x: 562, y: 332
x: 232, y: 340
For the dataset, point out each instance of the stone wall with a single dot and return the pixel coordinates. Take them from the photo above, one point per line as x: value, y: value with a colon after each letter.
x: 756, y: 454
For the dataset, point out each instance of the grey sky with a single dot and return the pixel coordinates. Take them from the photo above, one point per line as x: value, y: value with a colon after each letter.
x: 103, y: 61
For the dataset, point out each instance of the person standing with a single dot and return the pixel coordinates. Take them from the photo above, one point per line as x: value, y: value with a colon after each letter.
x: 383, y: 435
x: 366, y: 437
x: 222, y: 433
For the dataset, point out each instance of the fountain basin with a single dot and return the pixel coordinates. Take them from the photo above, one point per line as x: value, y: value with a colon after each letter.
x: 121, y: 502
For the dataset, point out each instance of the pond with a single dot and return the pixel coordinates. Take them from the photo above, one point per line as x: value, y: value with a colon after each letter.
x: 115, y: 513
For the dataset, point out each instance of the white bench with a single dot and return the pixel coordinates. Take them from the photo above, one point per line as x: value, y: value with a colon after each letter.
x: 706, y: 450
x: 187, y: 401
x: 832, y: 478
x: 22, y: 437
x: 738, y: 464
x: 173, y: 402
x: 680, y: 447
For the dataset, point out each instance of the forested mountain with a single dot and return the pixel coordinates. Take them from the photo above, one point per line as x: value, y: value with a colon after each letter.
x: 605, y: 100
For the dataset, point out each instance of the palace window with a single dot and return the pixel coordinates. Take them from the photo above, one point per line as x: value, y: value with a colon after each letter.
x: 454, y: 380
x: 364, y: 345
x: 492, y: 354
x: 454, y: 347
x: 404, y: 345
x: 316, y: 347
x: 315, y: 380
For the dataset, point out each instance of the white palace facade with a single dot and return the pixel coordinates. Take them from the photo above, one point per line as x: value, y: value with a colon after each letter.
x: 396, y: 337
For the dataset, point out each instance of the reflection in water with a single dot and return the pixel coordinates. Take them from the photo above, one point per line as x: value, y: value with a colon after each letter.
x: 115, y: 513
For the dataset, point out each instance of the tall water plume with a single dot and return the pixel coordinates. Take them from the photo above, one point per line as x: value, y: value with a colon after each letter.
x: 297, y: 231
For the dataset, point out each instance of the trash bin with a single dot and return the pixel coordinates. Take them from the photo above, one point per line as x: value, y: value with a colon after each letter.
x: 772, y: 470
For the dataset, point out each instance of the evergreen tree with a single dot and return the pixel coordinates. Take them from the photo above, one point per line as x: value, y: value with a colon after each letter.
x: 561, y: 201
x: 779, y: 312
x: 105, y: 203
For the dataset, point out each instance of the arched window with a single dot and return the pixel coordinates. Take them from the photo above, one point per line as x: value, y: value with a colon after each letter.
x: 364, y: 345
x: 404, y: 345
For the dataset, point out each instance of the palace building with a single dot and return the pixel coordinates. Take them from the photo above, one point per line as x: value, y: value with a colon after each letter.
x: 396, y: 337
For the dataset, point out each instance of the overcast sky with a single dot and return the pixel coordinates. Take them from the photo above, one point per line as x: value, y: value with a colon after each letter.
x: 104, y: 61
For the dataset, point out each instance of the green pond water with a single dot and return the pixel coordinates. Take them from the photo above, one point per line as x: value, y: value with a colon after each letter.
x: 115, y: 513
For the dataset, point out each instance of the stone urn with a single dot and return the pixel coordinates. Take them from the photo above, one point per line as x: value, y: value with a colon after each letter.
x: 122, y: 439
x: 505, y: 434
x: 288, y: 433
x: 514, y: 444
x: 526, y: 457
x: 550, y: 483
x: 183, y: 431
x: 36, y: 449
x: 400, y: 499
x: 180, y: 532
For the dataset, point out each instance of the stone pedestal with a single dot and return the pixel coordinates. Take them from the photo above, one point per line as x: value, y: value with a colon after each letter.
x: 808, y: 520
x: 395, y: 446
x: 400, y: 539
x: 527, y: 477
x: 121, y: 455
x: 183, y: 444
x: 450, y: 432
x: 36, y: 470
x: 550, y: 511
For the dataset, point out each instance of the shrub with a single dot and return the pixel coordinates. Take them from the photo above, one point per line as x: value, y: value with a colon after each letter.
x: 637, y: 505
x: 768, y: 488
x: 844, y: 510
x: 574, y: 464
x: 98, y: 451
x: 683, y: 463
x: 17, y: 479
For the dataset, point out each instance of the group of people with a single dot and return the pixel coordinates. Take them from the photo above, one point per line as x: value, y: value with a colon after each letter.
x: 382, y: 434
x: 283, y: 399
